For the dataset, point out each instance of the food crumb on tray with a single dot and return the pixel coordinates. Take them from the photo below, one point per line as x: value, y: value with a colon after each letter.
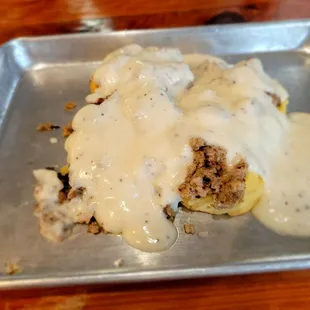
x: 170, y: 213
x: 118, y: 263
x: 70, y: 106
x: 46, y: 127
x: 189, y: 229
x: 53, y: 140
x: 94, y: 228
x: 12, y: 268
x: 67, y: 130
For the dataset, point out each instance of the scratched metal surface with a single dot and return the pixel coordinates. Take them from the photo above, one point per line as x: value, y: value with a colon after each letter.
x: 39, y: 75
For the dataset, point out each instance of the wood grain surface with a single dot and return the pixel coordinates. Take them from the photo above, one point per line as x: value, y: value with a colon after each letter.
x: 287, y: 290
x: 39, y: 17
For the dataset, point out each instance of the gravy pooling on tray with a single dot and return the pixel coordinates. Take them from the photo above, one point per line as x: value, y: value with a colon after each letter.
x: 131, y: 151
x: 286, y: 205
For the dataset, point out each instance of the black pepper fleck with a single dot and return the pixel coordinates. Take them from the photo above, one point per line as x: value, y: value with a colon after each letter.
x: 286, y: 203
x: 297, y: 210
x: 55, y: 127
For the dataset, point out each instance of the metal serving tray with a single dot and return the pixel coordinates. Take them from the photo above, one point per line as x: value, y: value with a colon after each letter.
x: 39, y: 75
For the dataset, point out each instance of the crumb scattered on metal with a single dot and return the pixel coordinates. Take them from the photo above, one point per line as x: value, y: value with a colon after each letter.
x: 94, y: 228
x: 189, y: 229
x: 46, y: 127
x: 12, y: 268
x: 67, y: 130
x: 170, y: 213
x: 53, y: 140
x: 70, y: 106
x: 118, y: 263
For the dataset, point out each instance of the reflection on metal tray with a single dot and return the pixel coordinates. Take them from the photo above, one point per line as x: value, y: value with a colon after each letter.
x: 39, y: 75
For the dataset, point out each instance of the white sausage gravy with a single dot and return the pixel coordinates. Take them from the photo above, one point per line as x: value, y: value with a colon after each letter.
x: 286, y: 205
x: 129, y: 154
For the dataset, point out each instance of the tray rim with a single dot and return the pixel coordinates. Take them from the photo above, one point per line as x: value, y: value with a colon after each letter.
x: 124, y: 275
x: 207, y: 28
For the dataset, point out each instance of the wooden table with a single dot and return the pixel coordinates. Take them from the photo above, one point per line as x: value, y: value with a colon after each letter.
x: 286, y: 290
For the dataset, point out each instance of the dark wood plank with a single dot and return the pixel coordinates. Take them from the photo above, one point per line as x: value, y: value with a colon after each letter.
x: 289, y: 290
